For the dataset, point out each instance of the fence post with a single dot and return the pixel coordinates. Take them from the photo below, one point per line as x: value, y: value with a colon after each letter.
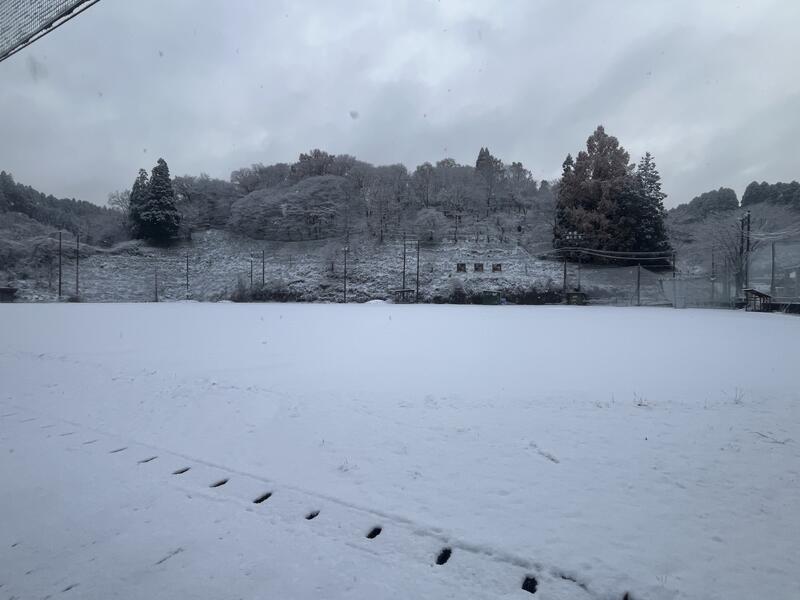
x: 187, y: 275
x: 263, y: 266
x: 155, y: 283
x: 713, y: 277
x: 404, y: 265
x: 345, y: 273
x: 59, y: 264
x: 772, y: 273
x: 77, y: 264
x: 674, y: 284
x: 638, y: 285
x: 747, y: 255
x: 416, y: 294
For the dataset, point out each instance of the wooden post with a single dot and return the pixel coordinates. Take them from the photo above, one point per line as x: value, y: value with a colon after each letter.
x: 187, y: 275
x: 747, y: 255
x: 713, y: 277
x: 564, y: 285
x: 772, y: 273
x: 404, y: 265
x: 155, y: 283
x: 59, y: 264
x: 77, y: 263
x: 263, y: 266
x: 639, y: 284
x: 416, y: 294
x: 579, y: 271
x: 251, y: 272
x: 345, y: 274
x: 740, y: 274
x: 674, y: 284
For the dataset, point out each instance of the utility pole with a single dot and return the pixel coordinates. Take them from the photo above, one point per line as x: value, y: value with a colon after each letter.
x: 713, y: 276
x: 416, y: 295
x: 747, y: 255
x: 674, y: 284
x: 772, y: 273
x: 345, y: 273
x: 740, y: 275
x: 59, y: 264
x: 77, y: 263
x: 404, y: 265
x: 638, y: 284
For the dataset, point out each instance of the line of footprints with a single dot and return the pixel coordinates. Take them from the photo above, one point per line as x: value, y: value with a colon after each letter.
x: 529, y: 583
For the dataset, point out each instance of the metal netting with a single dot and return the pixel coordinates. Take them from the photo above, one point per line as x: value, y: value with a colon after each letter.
x: 23, y: 21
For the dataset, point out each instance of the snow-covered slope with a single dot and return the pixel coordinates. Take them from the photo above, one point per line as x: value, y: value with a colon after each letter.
x: 600, y: 451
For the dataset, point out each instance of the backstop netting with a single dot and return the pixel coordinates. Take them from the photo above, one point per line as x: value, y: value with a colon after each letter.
x: 24, y: 21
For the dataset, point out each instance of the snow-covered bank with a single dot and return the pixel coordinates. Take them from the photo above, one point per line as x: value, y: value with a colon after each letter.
x: 645, y: 450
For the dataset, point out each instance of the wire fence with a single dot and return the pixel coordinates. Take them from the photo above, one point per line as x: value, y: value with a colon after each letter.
x: 397, y: 269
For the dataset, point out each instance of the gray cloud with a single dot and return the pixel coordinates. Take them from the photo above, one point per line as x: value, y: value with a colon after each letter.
x: 709, y: 88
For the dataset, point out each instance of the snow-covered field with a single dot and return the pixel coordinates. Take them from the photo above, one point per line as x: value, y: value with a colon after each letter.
x: 601, y: 451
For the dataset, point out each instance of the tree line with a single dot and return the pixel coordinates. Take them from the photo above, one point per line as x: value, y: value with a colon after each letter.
x: 323, y: 196
x: 602, y: 201
x: 97, y: 225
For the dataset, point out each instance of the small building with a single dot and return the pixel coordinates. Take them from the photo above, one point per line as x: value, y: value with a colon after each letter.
x: 756, y: 301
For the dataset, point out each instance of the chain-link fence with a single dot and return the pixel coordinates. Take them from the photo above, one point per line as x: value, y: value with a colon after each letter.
x: 218, y: 266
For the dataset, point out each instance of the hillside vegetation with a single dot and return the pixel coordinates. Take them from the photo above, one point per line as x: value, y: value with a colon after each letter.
x: 302, y: 216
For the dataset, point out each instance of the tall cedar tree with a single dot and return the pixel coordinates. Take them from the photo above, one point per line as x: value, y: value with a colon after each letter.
x: 157, y: 217
x: 490, y: 171
x: 607, y: 203
x: 651, y: 232
x: 138, y: 198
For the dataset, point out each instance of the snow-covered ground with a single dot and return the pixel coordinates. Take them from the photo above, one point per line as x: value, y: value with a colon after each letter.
x: 314, y: 271
x: 598, y: 450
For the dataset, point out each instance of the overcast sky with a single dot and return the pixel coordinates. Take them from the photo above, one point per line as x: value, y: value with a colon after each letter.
x: 710, y: 88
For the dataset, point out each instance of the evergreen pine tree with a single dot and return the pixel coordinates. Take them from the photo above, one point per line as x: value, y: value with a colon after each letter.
x: 607, y: 203
x: 490, y: 170
x: 564, y: 223
x: 138, y: 198
x: 589, y: 192
x: 651, y: 233
x: 158, y: 217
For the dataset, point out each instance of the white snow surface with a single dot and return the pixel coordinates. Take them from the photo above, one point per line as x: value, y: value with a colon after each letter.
x: 603, y: 451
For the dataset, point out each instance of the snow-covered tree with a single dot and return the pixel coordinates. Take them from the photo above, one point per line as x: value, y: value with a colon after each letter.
x: 607, y: 202
x: 651, y: 233
x: 137, y: 200
x: 156, y: 217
